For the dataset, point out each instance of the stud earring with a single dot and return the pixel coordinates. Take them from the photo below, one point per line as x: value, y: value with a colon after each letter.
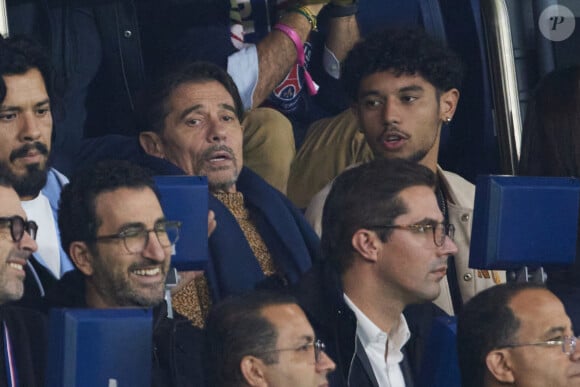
x: 448, y: 119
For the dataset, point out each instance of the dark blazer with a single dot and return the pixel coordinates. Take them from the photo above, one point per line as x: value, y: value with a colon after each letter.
x: 320, y: 294
x: 28, y: 335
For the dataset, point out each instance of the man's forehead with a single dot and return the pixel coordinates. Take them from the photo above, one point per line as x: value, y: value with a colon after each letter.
x: 125, y: 202
x: 290, y: 321
x: 539, y: 311
x: 421, y: 202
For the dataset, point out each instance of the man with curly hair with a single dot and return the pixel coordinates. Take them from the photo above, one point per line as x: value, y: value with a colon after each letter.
x: 404, y: 88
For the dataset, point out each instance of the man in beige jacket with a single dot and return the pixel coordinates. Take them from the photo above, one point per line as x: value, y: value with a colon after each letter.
x: 404, y: 88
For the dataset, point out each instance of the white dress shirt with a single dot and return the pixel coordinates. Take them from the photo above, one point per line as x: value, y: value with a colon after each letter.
x: 379, y: 345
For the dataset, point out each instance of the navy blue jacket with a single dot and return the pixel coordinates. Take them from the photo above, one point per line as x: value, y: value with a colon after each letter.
x: 232, y: 267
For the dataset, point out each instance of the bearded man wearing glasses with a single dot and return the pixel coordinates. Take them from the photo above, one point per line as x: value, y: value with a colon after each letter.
x: 23, y: 331
x: 114, y: 230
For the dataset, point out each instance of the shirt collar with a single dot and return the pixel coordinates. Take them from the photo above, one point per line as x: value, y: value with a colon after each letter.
x: 369, y: 333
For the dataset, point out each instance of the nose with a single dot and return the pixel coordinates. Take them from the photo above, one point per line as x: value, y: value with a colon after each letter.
x: 391, y: 111
x: 29, y: 127
x: 325, y: 363
x: 216, y: 130
x: 153, y: 249
x: 449, y: 247
x: 27, y: 243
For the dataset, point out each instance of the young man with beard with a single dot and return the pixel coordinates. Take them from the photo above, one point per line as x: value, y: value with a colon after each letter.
x: 114, y: 229
x: 27, y: 92
x: 404, y: 88
x: 191, y: 125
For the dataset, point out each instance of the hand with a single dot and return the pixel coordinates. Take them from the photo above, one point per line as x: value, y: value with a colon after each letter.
x: 211, y: 223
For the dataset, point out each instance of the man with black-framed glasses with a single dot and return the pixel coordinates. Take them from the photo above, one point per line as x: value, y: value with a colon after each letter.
x: 263, y: 338
x: 113, y: 227
x: 22, y: 331
x: 517, y: 334
x: 385, y: 245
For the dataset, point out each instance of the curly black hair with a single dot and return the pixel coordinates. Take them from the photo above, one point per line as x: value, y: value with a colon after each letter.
x: 403, y: 51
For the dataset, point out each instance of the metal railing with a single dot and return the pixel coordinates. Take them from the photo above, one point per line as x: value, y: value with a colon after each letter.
x: 500, y: 52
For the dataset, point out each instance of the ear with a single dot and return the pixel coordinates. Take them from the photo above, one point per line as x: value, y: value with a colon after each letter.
x: 367, y: 243
x: 498, y: 365
x: 81, y: 257
x: 152, y: 144
x: 253, y: 371
x: 448, y: 104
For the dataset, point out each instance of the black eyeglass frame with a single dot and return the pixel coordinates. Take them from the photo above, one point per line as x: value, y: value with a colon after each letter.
x: 448, y: 230
x: 145, y: 233
x: 18, y: 226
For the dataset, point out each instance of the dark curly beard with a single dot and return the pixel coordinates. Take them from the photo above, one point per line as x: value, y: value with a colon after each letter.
x: 32, y: 182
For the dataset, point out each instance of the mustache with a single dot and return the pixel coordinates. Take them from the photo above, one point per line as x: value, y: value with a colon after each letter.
x: 217, y: 148
x: 23, y: 150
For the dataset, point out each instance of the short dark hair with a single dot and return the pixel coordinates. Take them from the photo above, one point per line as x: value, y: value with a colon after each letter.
x: 486, y: 322
x: 152, y: 103
x: 236, y: 328
x: 364, y: 196
x: 403, y: 51
x: 19, y: 54
x: 77, y: 218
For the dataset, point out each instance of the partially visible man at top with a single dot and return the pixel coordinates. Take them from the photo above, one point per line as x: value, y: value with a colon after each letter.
x: 263, y: 339
x: 114, y: 229
x: 22, y: 356
x: 27, y: 93
x: 385, y: 245
x: 191, y: 125
x: 517, y: 334
x: 404, y: 88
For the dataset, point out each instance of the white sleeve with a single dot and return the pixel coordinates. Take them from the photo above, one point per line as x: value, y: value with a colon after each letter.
x: 330, y: 63
x: 243, y: 68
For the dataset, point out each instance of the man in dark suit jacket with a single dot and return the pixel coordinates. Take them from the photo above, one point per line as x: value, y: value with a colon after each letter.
x: 22, y: 331
x: 385, y: 246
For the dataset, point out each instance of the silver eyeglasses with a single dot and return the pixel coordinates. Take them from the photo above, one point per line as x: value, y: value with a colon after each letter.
x: 440, y: 230
x: 136, y: 237
x: 318, y: 346
x: 568, y: 344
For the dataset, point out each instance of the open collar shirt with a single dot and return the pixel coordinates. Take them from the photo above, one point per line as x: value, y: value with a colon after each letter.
x: 383, y: 350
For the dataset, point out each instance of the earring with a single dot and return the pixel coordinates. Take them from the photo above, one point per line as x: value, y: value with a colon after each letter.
x: 448, y: 119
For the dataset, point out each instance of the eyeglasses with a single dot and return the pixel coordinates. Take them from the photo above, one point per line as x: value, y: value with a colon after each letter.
x: 440, y: 230
x: 136, y: 238
x: 318, y: 346
x: 568, y: 344
x: 18, y: 225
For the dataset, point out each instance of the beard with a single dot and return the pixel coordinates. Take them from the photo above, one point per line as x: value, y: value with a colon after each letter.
x: 34, y: 179
x: 214, y: 184
x: 116, y: 288
x: 32, y: 182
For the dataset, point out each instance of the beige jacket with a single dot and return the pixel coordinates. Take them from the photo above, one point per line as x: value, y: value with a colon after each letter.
x: 460, y: 198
